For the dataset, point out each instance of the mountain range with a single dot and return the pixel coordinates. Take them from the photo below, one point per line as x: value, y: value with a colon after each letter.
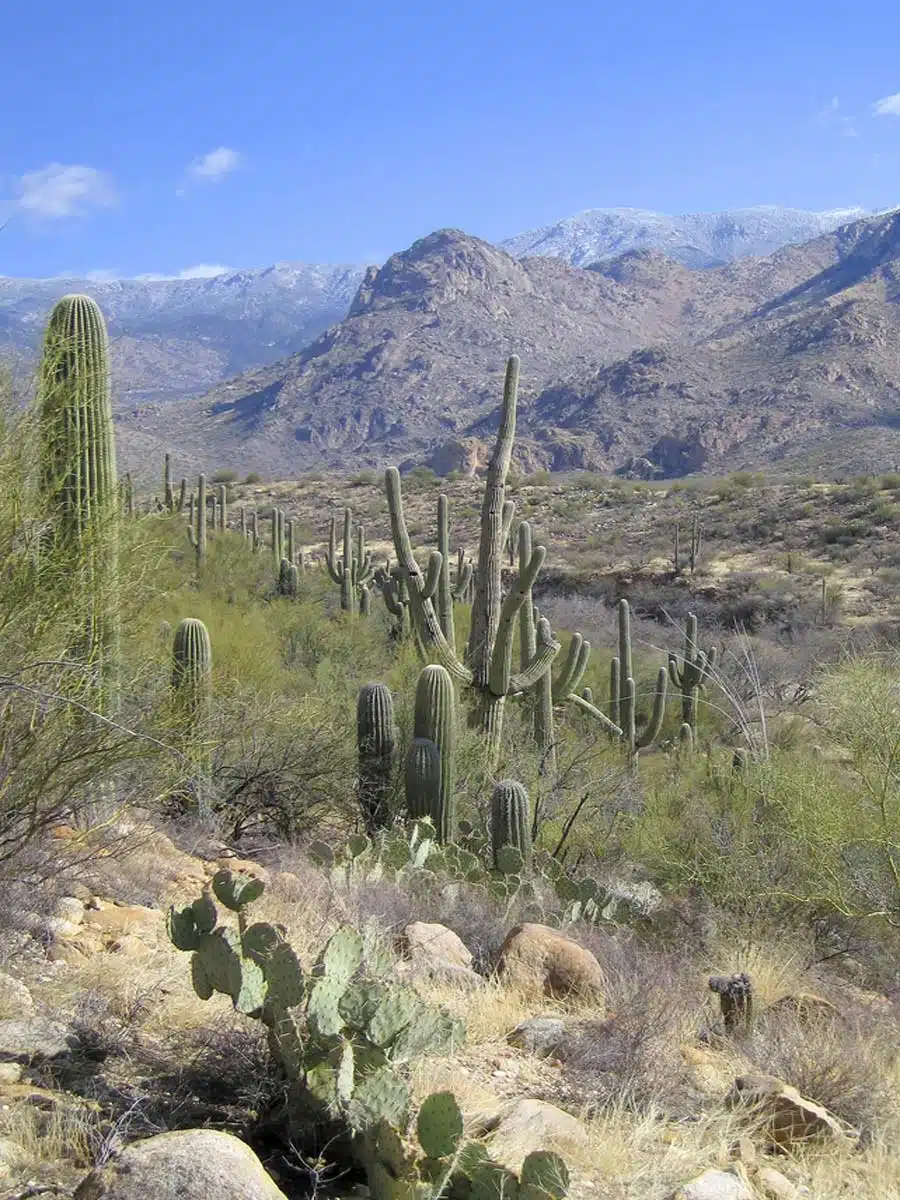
x: 641, y: 363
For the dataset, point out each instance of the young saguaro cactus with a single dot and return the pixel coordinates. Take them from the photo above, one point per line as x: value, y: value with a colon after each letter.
x: 197, y: 524
x: 510, y: 821
x: 487, y: 666
x: 375, y: 743
x: 435, y: 721
x: 622, y: 691
x: 79, y: 486
x: 192, y: 691
x: 352, y: 572
x: 692, y: 674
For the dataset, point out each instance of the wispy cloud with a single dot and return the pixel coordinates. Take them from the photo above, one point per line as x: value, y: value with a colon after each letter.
x: 833, y: 117
x: 58, y: 191
x: 200, y: 271
x: 887, y: 106
x: 210, y: 168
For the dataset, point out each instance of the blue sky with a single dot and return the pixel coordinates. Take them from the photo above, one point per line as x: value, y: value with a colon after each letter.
x: 170, y: 137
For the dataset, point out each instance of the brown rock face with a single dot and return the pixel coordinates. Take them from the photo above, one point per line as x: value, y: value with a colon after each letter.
x: 536, y: 955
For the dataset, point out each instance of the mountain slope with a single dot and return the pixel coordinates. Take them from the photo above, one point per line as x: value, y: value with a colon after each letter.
x: 176, y: 337
x: 694, y: 239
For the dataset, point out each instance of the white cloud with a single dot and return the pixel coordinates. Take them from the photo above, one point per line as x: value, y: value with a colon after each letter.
x: 887, y: 106
x: 57, y: 191
x: 211, y: 167
x: 832, y: 117
x: 200, y: 271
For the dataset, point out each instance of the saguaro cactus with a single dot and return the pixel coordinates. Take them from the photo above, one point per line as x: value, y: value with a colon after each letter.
x: 487, y: 668
x: 510, y: 821
x: 352, y: 572
x: 78, y: 469
x: 435, y: 720
x: 197, y: 526
x: 168, y: 489
x: 375, y: 743
x: 622, y: 691
x: 692, y: 674
x: 192, y: 691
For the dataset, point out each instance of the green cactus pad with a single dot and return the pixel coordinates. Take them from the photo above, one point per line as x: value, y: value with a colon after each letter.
x: 358, y: 844
x: 341, y: 957
x: 235, y: 889
x: 321, y: 854
x: 322, y: 1009
x: 321, y: 1080
x: 345, y: 1074
x: 439, y: 1125
x: 395, y: 1012
x: 489, y: 1181
x: 381, y: 1096
x: 284, y: 976
x: 216, y: 952
x: 248, y: 985
x: 260, y: 941
x: 433, y: 1031
x: 544, y: 1176
x: 200, y: 979
x: 187, y: 926
x: 359, y: 1004
x: 509, y: 861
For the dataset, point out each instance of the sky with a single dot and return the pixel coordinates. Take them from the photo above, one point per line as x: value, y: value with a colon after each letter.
x: 188, y: 136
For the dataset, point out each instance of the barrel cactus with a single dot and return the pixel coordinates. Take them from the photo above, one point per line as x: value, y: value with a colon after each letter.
x: 510, y: 821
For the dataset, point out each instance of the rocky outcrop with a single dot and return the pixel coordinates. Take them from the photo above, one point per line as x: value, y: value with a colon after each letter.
x: 789, y: 1117
x: 536, y: 956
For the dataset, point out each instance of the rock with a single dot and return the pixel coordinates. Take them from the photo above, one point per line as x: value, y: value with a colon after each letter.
x: 69, y: 908
x: 774, y: 1185
x: 743, y: 1151
x: 10, y: 1072
x: 437, y: 952
x: 805, y: 1005
x: 525, y: 1125
x: 191, y: 1164
x: 717, y: 1185
x: 791, y: 1117
x: 114, y: 920
x: 15, y: 998
x: 710, y: 1073
x: 538, y: 1035
x: 538, y: 955
x: 35, y: 1039
x: 130, y: 946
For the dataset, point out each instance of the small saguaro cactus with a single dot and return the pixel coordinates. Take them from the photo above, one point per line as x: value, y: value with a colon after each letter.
x: 192, y: 693
x: 375, y: 744
x: 689, y: 672
x: 510, y: 821
x: 168, y: 489
x: 197, y: 526
x: 622, y: 691
x: 435, y: 720
x: 353, y: 571
x: 222, y: 508
x: 422, y: 778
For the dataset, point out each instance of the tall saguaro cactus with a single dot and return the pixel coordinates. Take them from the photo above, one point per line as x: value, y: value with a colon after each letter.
x: 197, y: 524
x: 192, y: 692
x: 78, y: 470
x: 487, y: 666
x: 435, y: 720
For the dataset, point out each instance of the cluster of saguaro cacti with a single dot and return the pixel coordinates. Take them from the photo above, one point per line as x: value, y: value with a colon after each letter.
x: 79, y: 486
x: 192, y: 695
x: 486, y: 667
x: 689, y: 672
x: 170, y: 503
x: 288, y: 578
x: 353, y: 571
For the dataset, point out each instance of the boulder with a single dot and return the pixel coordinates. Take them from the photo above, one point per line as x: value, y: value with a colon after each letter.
x: 191, y: 1164
x: 536, y: 955
x: 521, y: 1126
x: 790, y: 1117
x: 115, y: 920
x: 15, y: 999
x: 775, y: 1186
x: 717, y: 1185
x: 35, y: 1039
x: 436, y: 952
x: 539, y: 1035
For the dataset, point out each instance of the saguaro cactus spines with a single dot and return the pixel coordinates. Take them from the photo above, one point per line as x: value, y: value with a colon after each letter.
x: 197, y: 527
x: 435, y: 720
x: 79, y: 486
x: 487, y: 668
x: 510, y: 820
x: 422, y: 778
x: 192, y: 690
x: 692, y: 674
x: 375, y: 743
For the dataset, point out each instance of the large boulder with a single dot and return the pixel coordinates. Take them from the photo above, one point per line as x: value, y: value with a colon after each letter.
x: 35, y: 1040
x: 15, y: 999
x: 538, y: 956
x: 717, y: 1185
x: 790, y: 1118
x: 436, y: 952
x: 521, y: 1126
x: 191, y: 1164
